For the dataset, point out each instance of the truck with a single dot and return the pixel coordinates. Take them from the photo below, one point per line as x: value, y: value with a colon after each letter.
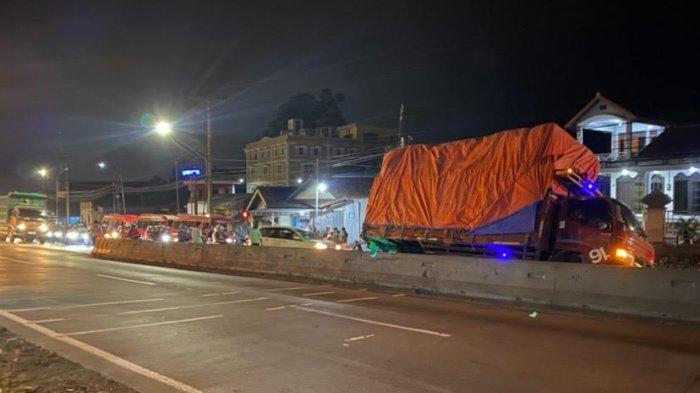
x: 528, y: 193
x: 23, y: 215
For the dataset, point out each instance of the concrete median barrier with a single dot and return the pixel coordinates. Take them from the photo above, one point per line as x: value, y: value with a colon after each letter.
x: 666, y: 293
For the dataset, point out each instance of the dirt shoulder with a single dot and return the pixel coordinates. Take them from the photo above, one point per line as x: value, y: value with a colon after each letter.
x: 25, y: 367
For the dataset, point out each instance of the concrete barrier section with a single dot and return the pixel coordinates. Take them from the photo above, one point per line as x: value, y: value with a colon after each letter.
x: 666, y: 293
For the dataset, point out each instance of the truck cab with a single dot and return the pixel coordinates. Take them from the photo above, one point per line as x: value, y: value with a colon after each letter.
x: 599, y: 230
x: 28, y: 223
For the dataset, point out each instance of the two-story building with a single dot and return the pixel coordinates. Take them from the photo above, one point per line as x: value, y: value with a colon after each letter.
x: 639, y: 155
x: 292, y: 157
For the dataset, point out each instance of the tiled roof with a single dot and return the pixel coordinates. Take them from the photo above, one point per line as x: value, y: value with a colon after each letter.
x: 676, y: 141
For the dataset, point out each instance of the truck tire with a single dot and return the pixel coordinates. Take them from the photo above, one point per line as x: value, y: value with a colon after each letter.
x: 568, y: 256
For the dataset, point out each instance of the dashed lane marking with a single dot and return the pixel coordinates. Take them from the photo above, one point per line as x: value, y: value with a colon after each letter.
x: 114, y: 359
x: 210, y: 294
x: 50, y: 320
x: 81, y: 333
x: 19, y: 261
x: 86, y: 305
x: 318, y: 293
x: 285, y: 289
x: 359, y: 299
x: 192, y: 306
x: 369, y: 321
x: 275, y: 308
x: 126, y: 279
x: 399, y: 295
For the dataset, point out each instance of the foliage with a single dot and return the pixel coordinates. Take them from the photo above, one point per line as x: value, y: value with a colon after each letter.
x: 321, y: 111
x: 687, y: 229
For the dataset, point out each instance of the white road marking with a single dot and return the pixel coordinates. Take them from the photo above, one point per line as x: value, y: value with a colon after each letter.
x: 284, y: 289
x: 317, y: 293
x: 139, y: 326
x: 378, y: 323
x: 192, y: 306
x: 126, y: 279
x: 358, y: 338
x: 358, y: 299
x: 85, y: 305
x: 210, y: 294
x: 19, y: 261
x: 399, y: 295
x: 276, y: 308
x: 50, y: 320
x: 230, y: 293
x: 103, y: 354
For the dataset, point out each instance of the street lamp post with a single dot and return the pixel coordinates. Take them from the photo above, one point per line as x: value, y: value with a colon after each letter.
x: 103, y: 165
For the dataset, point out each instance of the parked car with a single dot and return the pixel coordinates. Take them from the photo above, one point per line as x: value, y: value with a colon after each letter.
x: 295, y: 238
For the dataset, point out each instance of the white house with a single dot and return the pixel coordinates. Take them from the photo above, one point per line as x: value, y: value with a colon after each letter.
x: 639, y: 155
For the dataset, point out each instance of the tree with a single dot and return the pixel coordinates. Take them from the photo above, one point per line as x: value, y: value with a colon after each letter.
x: 321, y: 111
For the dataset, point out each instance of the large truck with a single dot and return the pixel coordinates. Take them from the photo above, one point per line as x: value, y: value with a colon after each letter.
x: 23, y: 215
x: 528, y: 193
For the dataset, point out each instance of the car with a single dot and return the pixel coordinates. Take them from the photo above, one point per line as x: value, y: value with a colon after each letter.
x: 294, y: 238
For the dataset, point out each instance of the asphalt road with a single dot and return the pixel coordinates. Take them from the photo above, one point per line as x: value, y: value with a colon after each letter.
x: 158, y: 330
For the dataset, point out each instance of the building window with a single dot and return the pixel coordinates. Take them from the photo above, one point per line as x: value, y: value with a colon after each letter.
x: 657, y: 183
x: 252, y: 170
x: 316, y: 151
x: 337, y: 151
x: 301, y: 151
x: 280, y: 168
x: 269, y: 153
x: 283, y: 151
x: 308, y: 168
x: 265, y: 170
x: 255, y: 155
x: 686, y: 193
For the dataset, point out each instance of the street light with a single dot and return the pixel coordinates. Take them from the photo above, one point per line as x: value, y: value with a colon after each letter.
x: 163, y: 128
x: 320, y: 187
x: 43, y: 172
x: 323, y: 187
x: 103, y: 165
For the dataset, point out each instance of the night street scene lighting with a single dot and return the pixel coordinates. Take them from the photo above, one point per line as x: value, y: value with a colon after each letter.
x: 342, y: 197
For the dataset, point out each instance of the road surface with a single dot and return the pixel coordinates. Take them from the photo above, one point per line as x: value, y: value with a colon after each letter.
x: 162, y: 330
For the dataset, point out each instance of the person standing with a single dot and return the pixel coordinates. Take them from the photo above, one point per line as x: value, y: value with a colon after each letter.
x: 96, y: 231
x: 343, y: 235
x: 256, y: 236
x: 196, y: 233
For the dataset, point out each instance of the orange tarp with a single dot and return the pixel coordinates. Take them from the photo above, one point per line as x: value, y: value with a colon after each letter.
x: 473, y: 182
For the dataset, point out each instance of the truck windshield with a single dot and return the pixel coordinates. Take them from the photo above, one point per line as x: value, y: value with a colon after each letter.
x: 629, y: 219
x: 31, y: 213
x: 594, y: 212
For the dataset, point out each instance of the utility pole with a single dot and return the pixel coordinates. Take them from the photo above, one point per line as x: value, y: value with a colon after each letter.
x: 67, y: 197
x: 401, y: 136
x: 316, y: 205
x: 121, y: 185
x: 208, y: 159
x: 177, y: 189
x: 58, y: 176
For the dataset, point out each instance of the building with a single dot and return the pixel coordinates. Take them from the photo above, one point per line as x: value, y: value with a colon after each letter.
x: 342, y: 203
x: 640, y: 154
x: 291, y: 157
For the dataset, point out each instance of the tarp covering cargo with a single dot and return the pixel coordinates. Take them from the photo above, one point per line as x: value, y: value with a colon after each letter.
x: 471, y: 183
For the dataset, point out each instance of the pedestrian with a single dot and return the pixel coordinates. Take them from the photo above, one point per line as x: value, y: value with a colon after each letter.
x: 183, y: 234
x: 343, y: 235
x: 335, y: 235
x: 133, y: 233
x: 256, y: 236
x: 196, y: 233
x: 96, y: 231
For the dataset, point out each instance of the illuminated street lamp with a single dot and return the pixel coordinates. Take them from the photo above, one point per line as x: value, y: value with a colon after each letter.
x: 163, y: 128
x: 43, y: 172
x: 103, y: 165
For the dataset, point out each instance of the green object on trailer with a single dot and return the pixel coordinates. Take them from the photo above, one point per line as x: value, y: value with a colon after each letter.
x: 377, y: 244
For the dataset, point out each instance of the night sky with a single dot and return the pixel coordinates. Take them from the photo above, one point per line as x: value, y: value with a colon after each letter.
x: 76, y: 78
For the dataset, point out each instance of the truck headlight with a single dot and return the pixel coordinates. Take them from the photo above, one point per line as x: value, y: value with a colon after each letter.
x: 320, y: 246
x: 43, y: 228
x: 625, y: 256
x: 21, y: 226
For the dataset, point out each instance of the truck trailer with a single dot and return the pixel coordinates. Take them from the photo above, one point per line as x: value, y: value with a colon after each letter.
x: 529, y: 193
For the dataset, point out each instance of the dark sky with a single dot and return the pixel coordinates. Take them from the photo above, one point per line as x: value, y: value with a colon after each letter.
x: 91, y: 70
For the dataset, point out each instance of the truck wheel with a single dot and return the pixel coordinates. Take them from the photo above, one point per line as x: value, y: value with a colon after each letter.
x: 568, y: 256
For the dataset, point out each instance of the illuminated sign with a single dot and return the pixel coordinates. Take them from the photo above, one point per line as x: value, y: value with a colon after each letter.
x: 191, y: 172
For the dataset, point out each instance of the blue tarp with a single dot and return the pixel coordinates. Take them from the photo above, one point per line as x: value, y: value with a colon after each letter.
x: 522, y: 221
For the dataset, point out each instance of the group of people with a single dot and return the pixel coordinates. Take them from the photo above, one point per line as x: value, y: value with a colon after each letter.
x: 335, y: 235
x: 194, y: 234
